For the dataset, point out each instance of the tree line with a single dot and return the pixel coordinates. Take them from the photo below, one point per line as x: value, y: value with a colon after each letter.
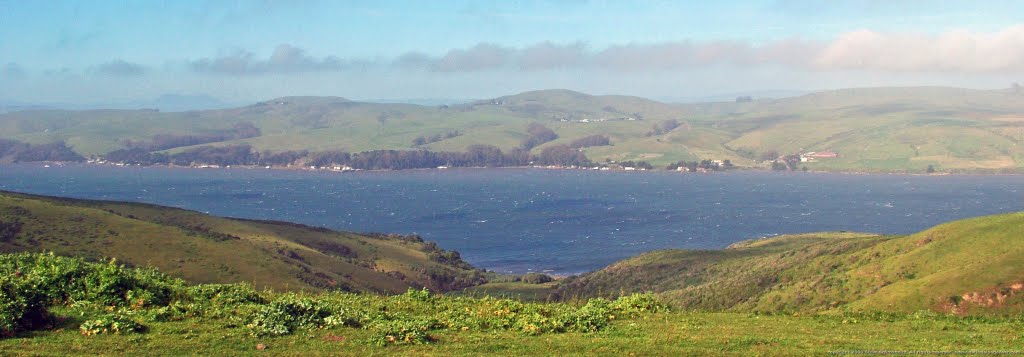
x: 16, y: 151
x: 474, y: 156
x: 538, y: 134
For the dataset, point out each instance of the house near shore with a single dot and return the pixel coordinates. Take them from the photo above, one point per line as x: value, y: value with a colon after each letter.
x: 814, y: 155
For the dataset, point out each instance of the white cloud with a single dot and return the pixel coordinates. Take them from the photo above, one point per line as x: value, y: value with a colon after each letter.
x: 957, y: 51
x: 284, y: 59
x: 953, y: 51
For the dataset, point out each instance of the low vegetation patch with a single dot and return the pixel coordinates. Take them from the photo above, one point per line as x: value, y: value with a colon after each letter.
x: 113, y: 299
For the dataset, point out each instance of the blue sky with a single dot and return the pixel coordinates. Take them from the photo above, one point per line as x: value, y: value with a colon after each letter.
x: 238, y: 51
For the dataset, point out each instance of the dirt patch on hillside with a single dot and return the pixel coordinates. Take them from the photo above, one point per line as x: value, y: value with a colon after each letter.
x: 988, y: 299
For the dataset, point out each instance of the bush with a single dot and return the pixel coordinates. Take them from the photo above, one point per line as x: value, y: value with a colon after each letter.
x: 290, y: 312
x: 593, y: 316
x: 31, y: 282
x: 64, y: 279
x: 23, y: 306
x: 117, y: 300
x: 117, y: 322
x: 637, y: 304
x: 418, y: 295
x: 402, y: 332
x: 225, y: 294
x: 536, y: 278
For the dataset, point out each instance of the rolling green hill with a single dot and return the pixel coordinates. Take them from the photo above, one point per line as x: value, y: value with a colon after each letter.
x: 872, y: 129
x: 206, y: 249
x: 814, y: 294
x: 973, y: 266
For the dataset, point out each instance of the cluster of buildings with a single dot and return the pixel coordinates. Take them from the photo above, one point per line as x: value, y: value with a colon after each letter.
x: 335, y: 168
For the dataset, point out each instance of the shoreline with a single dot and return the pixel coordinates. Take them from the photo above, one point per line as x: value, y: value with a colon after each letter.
x: 988, y: 172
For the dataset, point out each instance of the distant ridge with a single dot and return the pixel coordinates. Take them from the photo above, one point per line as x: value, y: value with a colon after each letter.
x: 889, y: 129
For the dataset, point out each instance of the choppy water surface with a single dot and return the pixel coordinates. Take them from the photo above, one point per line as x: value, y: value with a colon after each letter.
x: 547, y: 220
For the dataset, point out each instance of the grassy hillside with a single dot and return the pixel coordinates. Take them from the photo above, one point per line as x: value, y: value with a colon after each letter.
x: 104, y: 309
x: 206, y: 249
x: 761, y: 297
x: 973, y: 266
x: 872, y: 129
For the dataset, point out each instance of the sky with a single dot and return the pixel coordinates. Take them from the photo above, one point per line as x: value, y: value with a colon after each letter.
x: 237, y: 51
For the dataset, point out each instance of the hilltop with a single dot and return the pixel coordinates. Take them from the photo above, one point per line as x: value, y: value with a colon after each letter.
x: 871, y: 129
x: 205, y: 249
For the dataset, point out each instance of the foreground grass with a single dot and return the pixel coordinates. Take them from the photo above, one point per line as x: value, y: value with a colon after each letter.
x: 674, y: 333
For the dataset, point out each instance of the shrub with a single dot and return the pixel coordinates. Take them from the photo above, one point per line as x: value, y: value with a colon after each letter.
x: 536, y: 278
x: 418, y: 295
x: 64, y: 279
x: 290, y: 312
x: 402, y: 331
x: 118, y: 299
x: 635, y: 304
x: 593, y: 316
x: 118, y: 322
x: 23, y: 306
x: 225, y: 294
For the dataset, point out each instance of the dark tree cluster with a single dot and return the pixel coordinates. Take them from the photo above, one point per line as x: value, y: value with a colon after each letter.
x: 216, y: 155
x: 203, y: 155
x: 474, y: 156
x: 137, y: 156
x: 169, y: 141
x: 663, y: 127
x: 449, y: 280
x: 588, y: 141
x: 447, y: 257
x: 562, y: 155
x: 539, y: 134
x: 408, y: 238
x: 283, y: 158
x: 423, y: 140
x: 327, y: 158
x: 16, y: 151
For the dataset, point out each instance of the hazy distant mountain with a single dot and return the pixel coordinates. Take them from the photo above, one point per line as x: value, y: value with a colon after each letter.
x: 729, y: 97
x: 184, y: 102
x: 166, y: 102
x: 7, y: 107
x: 423, y: 101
